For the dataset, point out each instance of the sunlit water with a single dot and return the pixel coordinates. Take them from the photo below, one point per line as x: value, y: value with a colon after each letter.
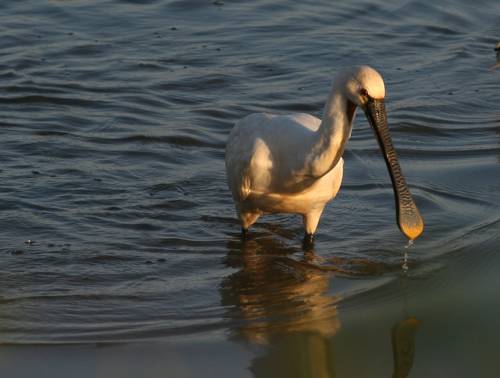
x: 117, y: 224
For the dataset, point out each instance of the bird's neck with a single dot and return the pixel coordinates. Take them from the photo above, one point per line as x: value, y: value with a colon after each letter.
x: 332, y: 135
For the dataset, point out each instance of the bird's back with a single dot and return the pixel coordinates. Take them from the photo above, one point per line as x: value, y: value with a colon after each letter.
x: 264, y: 152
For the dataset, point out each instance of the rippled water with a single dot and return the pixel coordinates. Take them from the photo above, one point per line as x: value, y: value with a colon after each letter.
x: 117, y: 224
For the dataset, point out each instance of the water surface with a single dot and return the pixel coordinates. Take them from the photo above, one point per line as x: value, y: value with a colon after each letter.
x: 118, y: 227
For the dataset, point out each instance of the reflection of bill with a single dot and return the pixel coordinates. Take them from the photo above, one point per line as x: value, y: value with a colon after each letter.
x: 403, y: 346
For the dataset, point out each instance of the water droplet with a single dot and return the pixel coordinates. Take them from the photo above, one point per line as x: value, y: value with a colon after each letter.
x: 404, y: 265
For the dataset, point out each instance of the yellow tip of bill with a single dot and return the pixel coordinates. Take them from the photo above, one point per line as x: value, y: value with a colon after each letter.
x: 412, y: 226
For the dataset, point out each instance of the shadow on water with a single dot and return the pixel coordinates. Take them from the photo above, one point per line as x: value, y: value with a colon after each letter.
x: 282, y: 304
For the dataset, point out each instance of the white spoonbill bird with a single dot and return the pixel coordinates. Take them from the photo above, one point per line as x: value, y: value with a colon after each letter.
x: 293, y: 163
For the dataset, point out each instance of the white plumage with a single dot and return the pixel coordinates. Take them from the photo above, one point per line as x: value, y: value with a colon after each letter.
x: 265, y: 162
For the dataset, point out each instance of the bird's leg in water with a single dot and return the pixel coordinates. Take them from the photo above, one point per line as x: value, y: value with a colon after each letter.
x: 246, y: 220
x: 311, y: 220
x: 244, y: 233
x: 308, y: 242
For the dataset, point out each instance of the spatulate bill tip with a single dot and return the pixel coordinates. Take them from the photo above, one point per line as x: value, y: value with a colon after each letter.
x: 412, y: 225
x: 413, y: 233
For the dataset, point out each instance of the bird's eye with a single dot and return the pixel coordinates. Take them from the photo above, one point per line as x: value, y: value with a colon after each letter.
x: 363, y: 92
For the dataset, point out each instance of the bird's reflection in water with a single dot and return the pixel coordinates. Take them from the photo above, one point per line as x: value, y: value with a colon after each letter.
x: 279, y: 297
x: 274, y: 294
x: 283, y: 303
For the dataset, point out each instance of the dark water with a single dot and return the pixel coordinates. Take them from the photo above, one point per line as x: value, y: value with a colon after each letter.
x: 113, y: 120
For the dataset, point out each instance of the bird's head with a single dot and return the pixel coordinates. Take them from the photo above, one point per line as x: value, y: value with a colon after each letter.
x: 363, y: 83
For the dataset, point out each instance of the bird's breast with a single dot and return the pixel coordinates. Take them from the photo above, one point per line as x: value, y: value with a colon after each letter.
x: 316, y: 195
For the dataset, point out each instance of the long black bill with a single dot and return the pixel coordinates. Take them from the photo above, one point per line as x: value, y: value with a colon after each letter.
x: 409, y: 220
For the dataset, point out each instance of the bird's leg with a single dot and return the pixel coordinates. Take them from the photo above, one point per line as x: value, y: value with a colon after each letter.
x: 311, y: 220
x: 308, y: 242
x: 244, y: 233
x: 246, y: 220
